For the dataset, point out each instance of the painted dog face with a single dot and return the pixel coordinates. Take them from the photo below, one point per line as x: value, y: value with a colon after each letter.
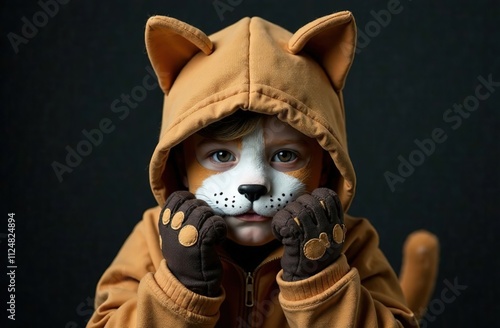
x: 249, y: 179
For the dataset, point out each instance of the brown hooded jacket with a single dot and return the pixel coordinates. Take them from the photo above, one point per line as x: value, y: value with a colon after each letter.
x: 257, y: 66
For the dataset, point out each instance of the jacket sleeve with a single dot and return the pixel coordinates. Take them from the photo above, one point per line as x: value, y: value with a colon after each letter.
x: 359, y: 290
x: 138, y: 290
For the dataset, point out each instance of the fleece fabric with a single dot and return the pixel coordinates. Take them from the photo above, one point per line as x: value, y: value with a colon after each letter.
x: 257, y: 66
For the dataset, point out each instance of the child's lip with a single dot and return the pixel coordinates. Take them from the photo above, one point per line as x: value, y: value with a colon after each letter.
x: 252, y: 217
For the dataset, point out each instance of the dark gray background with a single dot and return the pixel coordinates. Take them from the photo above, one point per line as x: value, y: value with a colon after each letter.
x: 412, y: 70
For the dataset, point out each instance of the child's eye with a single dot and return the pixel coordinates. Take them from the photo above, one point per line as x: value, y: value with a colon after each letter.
x: 222, y: 156
x: 284, y: 156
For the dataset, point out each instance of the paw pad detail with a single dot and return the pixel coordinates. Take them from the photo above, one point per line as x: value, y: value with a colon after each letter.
x: 177, y: 220
x: 188, y: 236
x: 339, y: 232
x: 315, y: 248
x: 165, y: 219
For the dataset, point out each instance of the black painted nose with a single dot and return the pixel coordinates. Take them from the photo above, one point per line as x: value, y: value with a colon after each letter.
x: 252, y: 191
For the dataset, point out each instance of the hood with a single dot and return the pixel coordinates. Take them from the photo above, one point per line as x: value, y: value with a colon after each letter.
x: 258, y: 66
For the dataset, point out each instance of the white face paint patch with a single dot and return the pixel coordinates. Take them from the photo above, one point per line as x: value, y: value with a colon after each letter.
x: 220, y: 190
x: 278, y: 164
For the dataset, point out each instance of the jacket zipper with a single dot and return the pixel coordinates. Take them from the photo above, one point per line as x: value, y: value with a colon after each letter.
x: 249, y: 290
x: 249, y: 283
x: 249, y: 293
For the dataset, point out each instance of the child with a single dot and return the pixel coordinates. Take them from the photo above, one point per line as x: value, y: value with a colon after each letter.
x: 253, y: 180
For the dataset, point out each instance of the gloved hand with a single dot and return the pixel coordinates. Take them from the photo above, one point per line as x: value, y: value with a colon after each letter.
x: 312, y: 231
x: 189, y: 232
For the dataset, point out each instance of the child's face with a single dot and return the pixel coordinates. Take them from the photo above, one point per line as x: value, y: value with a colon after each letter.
x: 247, y: 180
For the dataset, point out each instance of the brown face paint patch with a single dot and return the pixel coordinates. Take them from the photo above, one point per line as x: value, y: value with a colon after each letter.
x: 310, y: 174
x: 177, y: 220
x: 315, y: 248
x: 195, y: 172
x: 188, y: 236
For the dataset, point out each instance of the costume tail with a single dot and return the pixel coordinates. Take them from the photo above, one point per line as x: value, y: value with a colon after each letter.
x: 419, y: 270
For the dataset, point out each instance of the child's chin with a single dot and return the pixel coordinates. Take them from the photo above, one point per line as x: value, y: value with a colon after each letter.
x: 254, y: 234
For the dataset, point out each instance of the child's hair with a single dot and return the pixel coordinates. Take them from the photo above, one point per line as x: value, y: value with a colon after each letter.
x: 233, y: 126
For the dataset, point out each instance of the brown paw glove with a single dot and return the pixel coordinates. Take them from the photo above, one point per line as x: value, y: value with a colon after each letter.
x: 312, y: 231
x: 189, y: 232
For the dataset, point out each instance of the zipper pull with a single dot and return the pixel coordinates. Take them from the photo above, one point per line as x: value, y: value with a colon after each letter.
x: 249, y: 290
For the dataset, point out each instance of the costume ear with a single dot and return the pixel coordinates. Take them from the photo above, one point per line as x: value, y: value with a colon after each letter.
x: 331, y: 40
x: 170, y: 44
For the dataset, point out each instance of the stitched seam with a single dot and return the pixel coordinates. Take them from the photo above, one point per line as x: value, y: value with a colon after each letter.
x: 189, y: 31
x: 299, y: 109
x: 307, y: 31
x: 196, y: 107
x: 193, y: 111
x: 313, y: 27
x: 248, y: 62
